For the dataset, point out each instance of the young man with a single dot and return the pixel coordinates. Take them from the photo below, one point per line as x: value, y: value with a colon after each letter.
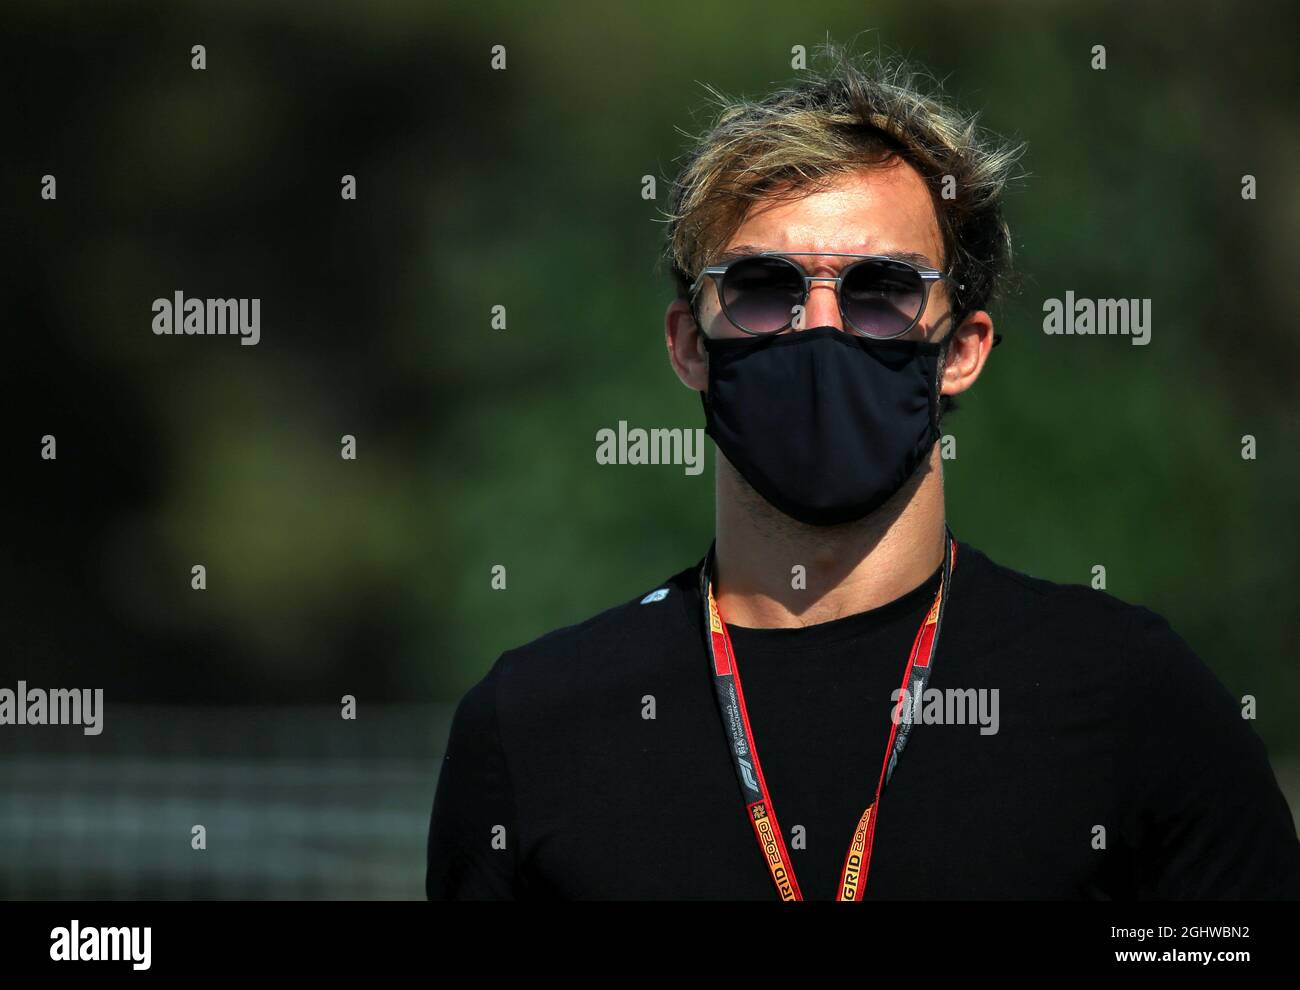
x: 840, y: 700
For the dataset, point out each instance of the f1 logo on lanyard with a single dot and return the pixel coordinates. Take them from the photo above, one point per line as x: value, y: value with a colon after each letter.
x: 744, y: 754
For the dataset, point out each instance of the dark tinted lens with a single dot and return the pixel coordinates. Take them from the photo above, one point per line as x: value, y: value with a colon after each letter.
x: 760, y: 294
x: 881, y: 297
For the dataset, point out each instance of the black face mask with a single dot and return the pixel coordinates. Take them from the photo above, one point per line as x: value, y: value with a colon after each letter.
x: 825, y: 425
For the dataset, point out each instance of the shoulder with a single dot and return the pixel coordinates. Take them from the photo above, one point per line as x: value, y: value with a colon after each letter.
x: 650, y: 616
x: 1072, y: 628
x: 1103, y: 654
x: 639, y: 638
x: 1008, y: 599
x: 1207, y: 811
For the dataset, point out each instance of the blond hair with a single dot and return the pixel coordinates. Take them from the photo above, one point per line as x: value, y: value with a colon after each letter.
x: 860, y: 112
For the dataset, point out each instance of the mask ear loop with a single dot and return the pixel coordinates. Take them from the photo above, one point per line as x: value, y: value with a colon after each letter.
x: 997, y: 337
x: 938, y: 385
x: 943, y: 365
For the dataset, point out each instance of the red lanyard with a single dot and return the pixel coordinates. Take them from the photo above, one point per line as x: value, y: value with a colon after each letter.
x: 753, y: 787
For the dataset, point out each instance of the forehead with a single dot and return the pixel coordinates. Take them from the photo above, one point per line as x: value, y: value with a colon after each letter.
x: 868, y: 211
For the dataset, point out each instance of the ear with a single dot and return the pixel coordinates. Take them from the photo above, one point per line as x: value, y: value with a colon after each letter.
x: 968, y: 349
x: 685, y: 343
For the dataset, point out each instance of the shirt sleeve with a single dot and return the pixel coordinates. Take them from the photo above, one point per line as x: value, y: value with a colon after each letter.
x: 473, y: 838
x: 1213, y: 823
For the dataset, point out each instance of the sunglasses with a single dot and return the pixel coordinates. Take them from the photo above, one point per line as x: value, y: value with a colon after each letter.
x: 879, y: 297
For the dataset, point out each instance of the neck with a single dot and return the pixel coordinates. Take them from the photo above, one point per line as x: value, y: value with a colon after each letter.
x: 849, y: 568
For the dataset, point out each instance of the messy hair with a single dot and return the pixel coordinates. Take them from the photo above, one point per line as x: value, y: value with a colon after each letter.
x: 868, y: 111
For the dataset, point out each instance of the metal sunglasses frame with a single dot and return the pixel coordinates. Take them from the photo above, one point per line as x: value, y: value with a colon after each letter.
x: 928, y: 277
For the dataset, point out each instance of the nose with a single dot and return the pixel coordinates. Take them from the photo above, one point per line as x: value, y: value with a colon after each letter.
x: 822, y: 305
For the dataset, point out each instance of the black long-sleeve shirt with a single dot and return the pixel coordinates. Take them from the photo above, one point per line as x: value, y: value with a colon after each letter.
x: 1120, y: 768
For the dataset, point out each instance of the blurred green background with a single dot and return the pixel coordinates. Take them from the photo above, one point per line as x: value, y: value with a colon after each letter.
x: 522, y: 188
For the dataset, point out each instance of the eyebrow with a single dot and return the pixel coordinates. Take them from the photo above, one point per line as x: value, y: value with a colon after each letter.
x: 744, y: 250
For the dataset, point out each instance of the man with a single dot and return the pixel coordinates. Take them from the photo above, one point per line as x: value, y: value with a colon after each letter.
x: 930, y: 724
